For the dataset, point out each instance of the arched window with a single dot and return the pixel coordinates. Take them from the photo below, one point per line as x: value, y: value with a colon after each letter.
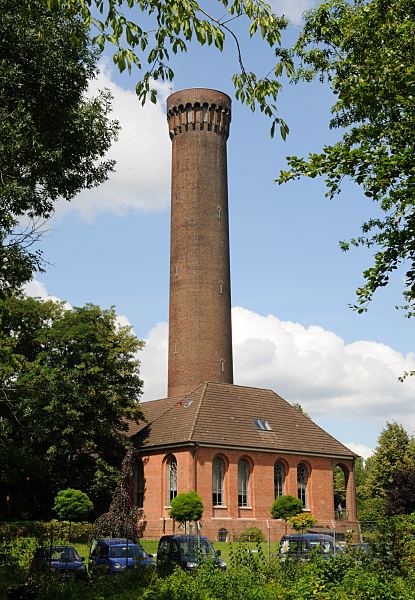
x: 302, y: 477
x: 222, y: 535
x: 139, y: 484
x: 171, y: 478
x: 243, y: 482
x: 279, y: 478
x: 218, y: 476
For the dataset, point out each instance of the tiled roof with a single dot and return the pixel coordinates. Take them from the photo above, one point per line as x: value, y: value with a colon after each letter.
x: 217, y: 414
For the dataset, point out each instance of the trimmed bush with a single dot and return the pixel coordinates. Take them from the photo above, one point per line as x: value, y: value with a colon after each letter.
x: 252, y: 534
x: 186, y: 507
x: 72, y: 505
x: 285, y: 507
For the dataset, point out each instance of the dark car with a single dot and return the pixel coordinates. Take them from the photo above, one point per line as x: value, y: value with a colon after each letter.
x: 62, y: 560
x: 187, y: 552
x: 116, y: 555
x: 301, y: 546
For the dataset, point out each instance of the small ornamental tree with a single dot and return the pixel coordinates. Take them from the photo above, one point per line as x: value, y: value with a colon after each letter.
x: 285, y: 507
x: 186, y: 507
x: 302, y: 521
x: 72, y: 505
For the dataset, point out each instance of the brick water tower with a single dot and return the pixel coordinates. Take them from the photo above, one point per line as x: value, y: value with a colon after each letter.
x: 200, y: 335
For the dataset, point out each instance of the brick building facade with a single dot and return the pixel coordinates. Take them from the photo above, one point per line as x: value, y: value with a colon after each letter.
x: 238, y: 447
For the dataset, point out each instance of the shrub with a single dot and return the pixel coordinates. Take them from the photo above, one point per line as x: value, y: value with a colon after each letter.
x: 285, y: 507
x: 185, y: 507
x: 55, y: 531
x: 302, y: 521
x: 72, y: 505
x: 252, y: 534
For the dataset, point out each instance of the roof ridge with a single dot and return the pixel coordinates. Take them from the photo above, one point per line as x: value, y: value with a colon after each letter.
x: 240, y: 385
x: 192, y: 430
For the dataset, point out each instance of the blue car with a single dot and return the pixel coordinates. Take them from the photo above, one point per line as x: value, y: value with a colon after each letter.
x: 62, y: 560
x: 116, y: 555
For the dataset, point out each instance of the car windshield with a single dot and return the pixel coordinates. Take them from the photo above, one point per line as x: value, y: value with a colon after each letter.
x: 192, y: 547
x: 123, y: 551
x: 323, y: 546
x: 64, y: 554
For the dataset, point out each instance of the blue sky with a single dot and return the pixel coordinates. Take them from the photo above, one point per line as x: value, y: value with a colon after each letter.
x: 291, y: 284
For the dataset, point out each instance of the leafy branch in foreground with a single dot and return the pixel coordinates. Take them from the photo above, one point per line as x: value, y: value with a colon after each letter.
x: 145, y: 33
x: 53, y: 139
x: 366, y: 52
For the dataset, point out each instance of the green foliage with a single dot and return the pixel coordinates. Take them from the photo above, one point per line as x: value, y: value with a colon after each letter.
x: 148, y: 36
x: 186, y: 507
x: 395, y: 544
x: 302, y: 521
x: 400, y: 496
x: 69, y: 382
x: 72, y: 505
x: 53, y: 531
x: 252, y: 534
x: 394, y: 452
x: 285, y: 507
x: 365, y: 50
x: 52, y: 138
x: 249, y: 577
x: 339, y: 486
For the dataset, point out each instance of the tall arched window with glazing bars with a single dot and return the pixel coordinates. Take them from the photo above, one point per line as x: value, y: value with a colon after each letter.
x: 279, y: 479
x: 243, y: 483
x: 139, y: 484
x: 218, y: 478
x: 302, y: 480
x: 171, y: 472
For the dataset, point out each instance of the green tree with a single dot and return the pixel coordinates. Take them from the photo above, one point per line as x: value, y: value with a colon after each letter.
x: 72, y: 505
x: 393, y: 452
x: 400, y: 495
x: 302, y: 521
x: 285, y: 507
x: 144, y: 34
x: 69, y: 382
x: 186, y: 507
x: 365, y: 50
x: 52, y: 138
x: 339, y: 487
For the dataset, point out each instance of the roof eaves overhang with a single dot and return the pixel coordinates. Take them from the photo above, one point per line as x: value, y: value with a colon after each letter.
x: 166, y: 446
x: 246, y: 449
x: 279, y: 451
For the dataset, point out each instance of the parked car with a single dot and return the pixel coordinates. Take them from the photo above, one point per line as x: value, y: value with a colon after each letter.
x: 301, y: 546
x: 115, y: 555
x: 62, y: 560
x: 187, y: 552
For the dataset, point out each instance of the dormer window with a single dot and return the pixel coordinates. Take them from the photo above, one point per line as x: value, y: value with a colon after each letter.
x: 262, y: 425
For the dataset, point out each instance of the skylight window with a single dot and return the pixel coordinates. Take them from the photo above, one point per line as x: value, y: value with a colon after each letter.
x: 262, y: 425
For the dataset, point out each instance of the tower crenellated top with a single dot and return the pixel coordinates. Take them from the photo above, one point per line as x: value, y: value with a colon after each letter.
x: 198, y: 109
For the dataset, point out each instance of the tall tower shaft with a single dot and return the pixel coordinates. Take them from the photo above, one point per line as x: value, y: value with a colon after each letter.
x: 200, y: 335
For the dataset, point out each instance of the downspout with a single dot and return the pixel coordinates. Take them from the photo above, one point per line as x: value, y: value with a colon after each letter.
x: 196, y: 446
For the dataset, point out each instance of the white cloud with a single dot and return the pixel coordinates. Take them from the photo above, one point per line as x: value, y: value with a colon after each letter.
x: 309, y: 365
x: 37, y: 289
x: 360, y: 449
x: 154, y: 363
x: 142, y: 154
x: 315, y: 367
x: 292, y: 9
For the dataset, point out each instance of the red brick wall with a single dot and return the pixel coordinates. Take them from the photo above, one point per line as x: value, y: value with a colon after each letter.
x: 231, y: 517
x: 200, y: 337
